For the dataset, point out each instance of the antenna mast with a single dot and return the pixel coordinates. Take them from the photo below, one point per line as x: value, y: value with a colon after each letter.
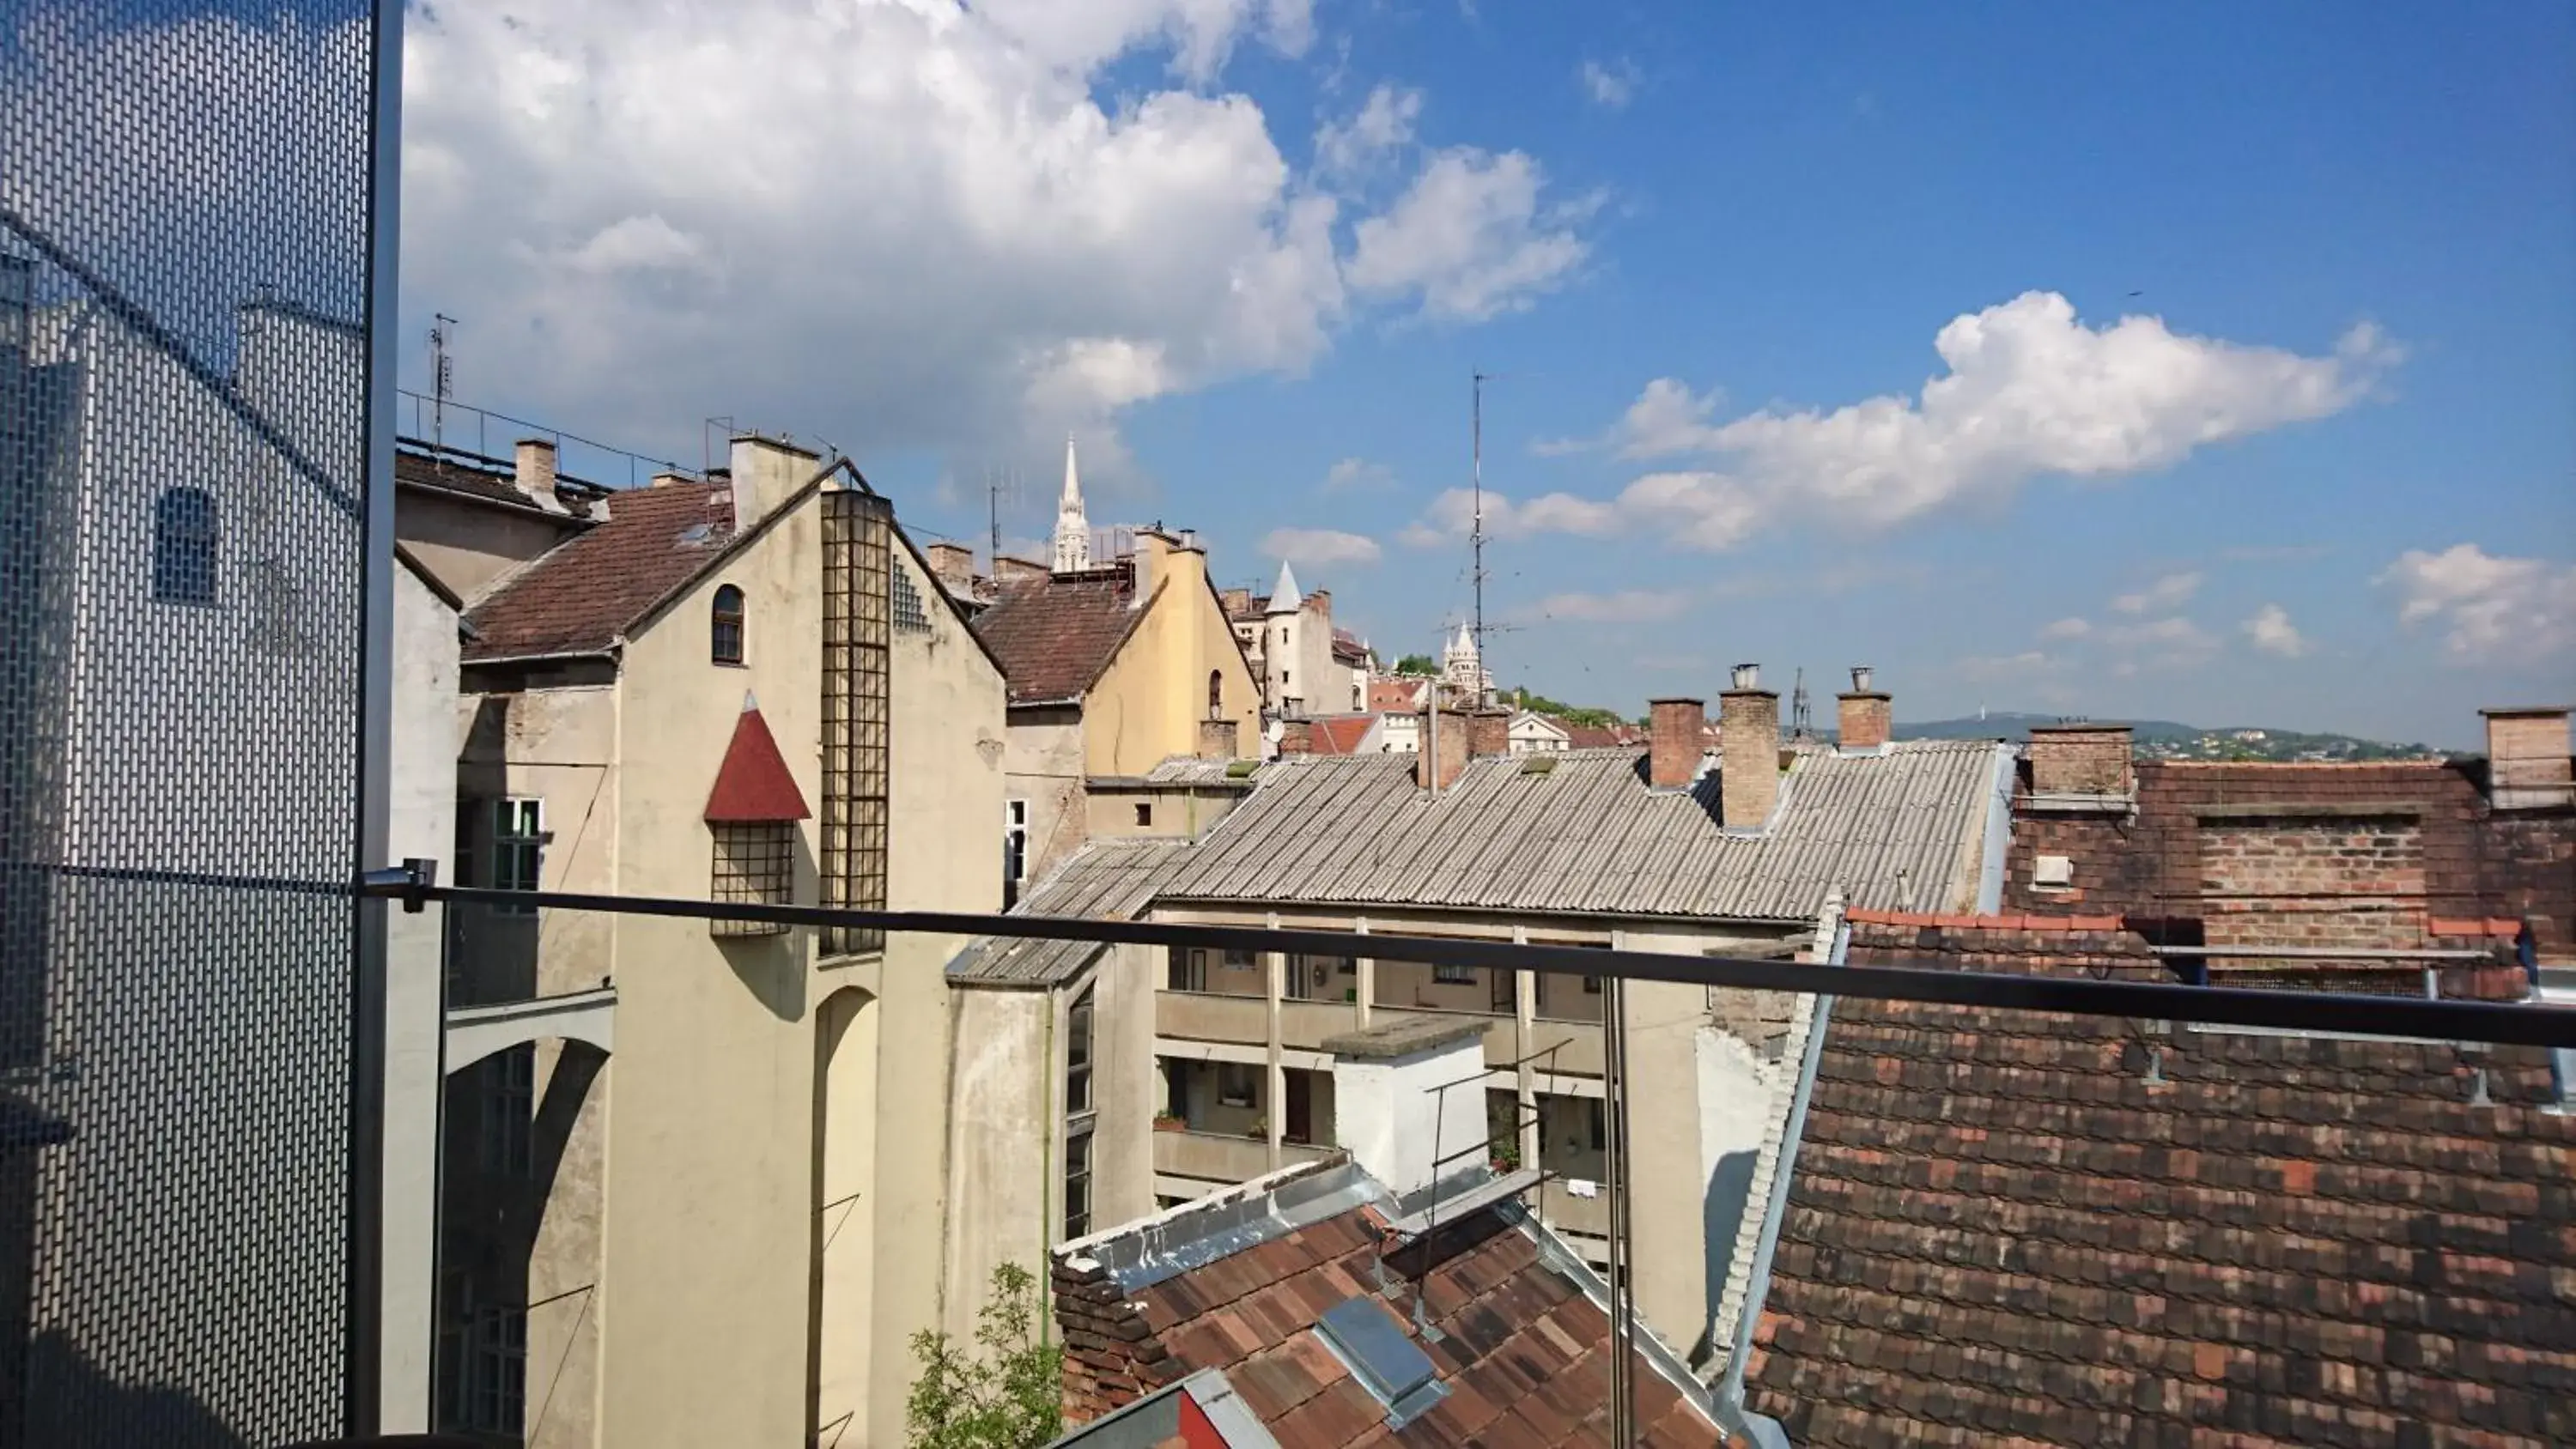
x: 1798, y: 707
x: 442, y: 374
x: 993, y: 500
x: 1476, y: 533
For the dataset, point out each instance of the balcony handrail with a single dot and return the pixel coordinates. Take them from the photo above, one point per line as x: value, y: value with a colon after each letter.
x: 2500, y: 1023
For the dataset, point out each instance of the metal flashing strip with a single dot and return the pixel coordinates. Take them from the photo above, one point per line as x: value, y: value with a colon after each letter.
x: 1200, y: 1233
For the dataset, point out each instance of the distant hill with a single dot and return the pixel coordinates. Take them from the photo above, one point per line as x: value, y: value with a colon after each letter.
x: 2006, y: 725
x: 2164, y: 739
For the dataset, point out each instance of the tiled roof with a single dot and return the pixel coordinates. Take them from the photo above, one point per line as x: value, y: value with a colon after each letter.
x: 1395, y: 696
x: 581, y: 597
x: 1054, y: 635
x: 1891, y: 830
x: 753, y: 785
x: 1108, y: 879
x: 489, y: 479
x: 1338, y: 734
x: 1523, y: 1348
x: 2000, y: 1228
x: 1193, y: 770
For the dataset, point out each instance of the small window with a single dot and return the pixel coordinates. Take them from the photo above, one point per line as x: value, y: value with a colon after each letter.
x: 184, y: 532
x: 1144, y: 813
x: 1237, y: 960
x: 509, y: 1111
x: 483, y: 1363
x: 1187, y: 970
x: 724, y: 630
x: 1234, y: 1084
x: 1077, y: 1185
x: 755, y: 864
x: 1077, y: 1057
x: 1015, y: 842
x: 1599, y: 1123
x: 518, y: 849
x: 1454, y: 975
x: 1216, y: 694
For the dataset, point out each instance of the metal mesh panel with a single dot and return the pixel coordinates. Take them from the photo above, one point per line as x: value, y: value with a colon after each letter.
x: 183, y: 369
x: 855, y: 591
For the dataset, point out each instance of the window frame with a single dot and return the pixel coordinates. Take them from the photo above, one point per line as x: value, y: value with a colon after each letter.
x: 187, y: 547
x: 505, y: 1140
x: 728, y: 627
x: 1447, y: 975
x: 518, y: 842
x: 1186, y: 969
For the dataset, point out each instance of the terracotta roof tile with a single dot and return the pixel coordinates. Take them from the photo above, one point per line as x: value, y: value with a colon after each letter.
x: 1395, y: 696
x: 1999, y: 1229
x: 583, y: 595
x: 1523, y: 1353
x: 1054, y: 635
x: 753, y: 785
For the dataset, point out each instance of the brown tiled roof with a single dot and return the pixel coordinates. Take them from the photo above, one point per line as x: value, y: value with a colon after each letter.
x: 580, y: 597
x: 1338, y: 734
x: 1524, y: 1352
x: 2001, y: 1229
x: 1395, y: 695
x: 1054, y: 635
x: 455, y: 475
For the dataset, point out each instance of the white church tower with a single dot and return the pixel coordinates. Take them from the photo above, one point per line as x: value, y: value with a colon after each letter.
x: 1278, y: 657
x: 1072, y: 530
x: 1462, y: 671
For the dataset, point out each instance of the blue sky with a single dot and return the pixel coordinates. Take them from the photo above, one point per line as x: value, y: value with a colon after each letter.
x: 2327, y: 472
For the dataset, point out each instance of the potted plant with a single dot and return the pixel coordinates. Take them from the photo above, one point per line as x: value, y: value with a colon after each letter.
x: 1170, y: 1122
x: 1506, y: 1154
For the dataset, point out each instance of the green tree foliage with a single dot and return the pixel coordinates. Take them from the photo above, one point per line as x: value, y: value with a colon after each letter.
x: 1420, y: 664
x: 1570, y: 713
x: 1007, y: 1393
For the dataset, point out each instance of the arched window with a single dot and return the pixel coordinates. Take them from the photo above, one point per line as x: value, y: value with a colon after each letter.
x: 725, y: 631
x: 183, y: 547
x: 1216, y: 694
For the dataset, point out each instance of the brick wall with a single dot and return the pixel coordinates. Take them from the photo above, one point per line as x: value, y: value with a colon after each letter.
x: 2079, y: 759
x: 1111, y: 1356
x: 2334, y: 854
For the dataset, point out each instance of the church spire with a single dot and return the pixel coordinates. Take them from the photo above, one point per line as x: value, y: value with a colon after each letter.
x: 1072, y: 530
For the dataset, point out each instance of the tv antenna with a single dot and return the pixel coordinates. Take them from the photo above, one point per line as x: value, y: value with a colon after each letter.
x: 442, y: 377
x: 1798, y: 706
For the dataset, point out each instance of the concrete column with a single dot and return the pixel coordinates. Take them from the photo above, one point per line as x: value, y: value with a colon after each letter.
x: 1367, y: 979
x: 1274, y: 1110
x: 415, y: 1034
x: 1524, y: 1037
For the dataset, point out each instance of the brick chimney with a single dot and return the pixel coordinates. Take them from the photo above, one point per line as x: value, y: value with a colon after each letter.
x: 1443, y: 754
x: 954, y: 563
x: 1674, y: 741
x: 1217, y: 740
x: 2080, y: 759
x: 1866, y: 718
x: 667, y: 478
x: 536, y: 473
x: 1388, y: 1083
x: 1009, y: 570
x: 2527, y: 757
x: 1489, y: 731
x: 1748, y: 728
x: 1296, y: 737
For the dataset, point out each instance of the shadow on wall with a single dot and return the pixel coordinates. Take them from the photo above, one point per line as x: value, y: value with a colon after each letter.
x: 1730, y: 1189
x: 70, y: 1402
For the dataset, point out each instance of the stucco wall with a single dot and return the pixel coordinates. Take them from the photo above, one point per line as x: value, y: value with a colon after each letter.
x: 1006, y: 1151
x: 1147, y: 705
x: 468, y: 545
x: 1042, y: 764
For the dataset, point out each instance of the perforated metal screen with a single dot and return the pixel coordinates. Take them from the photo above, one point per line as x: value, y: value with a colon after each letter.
x: 184, y: 192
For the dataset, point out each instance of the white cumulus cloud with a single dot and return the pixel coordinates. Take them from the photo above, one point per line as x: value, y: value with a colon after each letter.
x: 2170, y: 592
x: 2489, y: 608
x: 911, y: 224
x: 1383, y: 125
x: 2272, y: 632
x: 1350, y: 474
x: 2030, y: 391
x: 1319, y: 547
x: 2071, y: 627
x: 1610, y: 86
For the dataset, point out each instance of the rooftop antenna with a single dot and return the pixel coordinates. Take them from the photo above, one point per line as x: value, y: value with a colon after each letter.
x: 1476, y: 533
x: 1798, y: 706
x: 442, y: 377
x: 993, y: 501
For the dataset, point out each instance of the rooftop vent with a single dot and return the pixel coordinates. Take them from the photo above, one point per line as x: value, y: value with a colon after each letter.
x: 1385, y: 1362
x: 1861, y: 675
x: 1748, y: 676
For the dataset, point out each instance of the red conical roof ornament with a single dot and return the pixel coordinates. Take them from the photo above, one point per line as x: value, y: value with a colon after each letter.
x: 753, y: 786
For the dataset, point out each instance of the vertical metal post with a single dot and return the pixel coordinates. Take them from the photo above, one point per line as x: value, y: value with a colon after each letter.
x: 1614, y: 1110
x: 370, y: 836
x: 1274, y: 1092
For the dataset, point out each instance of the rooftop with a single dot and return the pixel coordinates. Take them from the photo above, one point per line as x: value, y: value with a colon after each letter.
x: 1241, y: 1283
x: 2015, y: 1226
x: 1056, y: 633
x: 582, y: 596
x: 1897, y: 830
x: 1107, y: 878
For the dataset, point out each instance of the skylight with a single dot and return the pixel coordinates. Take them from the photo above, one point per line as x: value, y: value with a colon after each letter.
x: 1386, y: 1363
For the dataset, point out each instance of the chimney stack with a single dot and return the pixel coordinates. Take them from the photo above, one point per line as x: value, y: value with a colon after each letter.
x: 1296, y: 737
x: 536, y: 473
x: 1443, y: 755
x: 1217, y: 740
x: 1489, y: 731
x: 2527, y: 760
x: 2080, y: 760
x: 667, y: 478
x: 1748, y: 730
x: 954, y: 563
x: 1673, y: 740
x: 764, y: 472
x: 1866, y: 718
x: 1388, y: 1082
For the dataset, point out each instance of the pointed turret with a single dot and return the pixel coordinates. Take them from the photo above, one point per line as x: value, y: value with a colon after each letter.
x: 1072, y: 530
x: 1284, y: 598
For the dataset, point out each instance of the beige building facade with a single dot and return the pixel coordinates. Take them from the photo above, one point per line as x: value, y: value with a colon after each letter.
x: 696, y: 1193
